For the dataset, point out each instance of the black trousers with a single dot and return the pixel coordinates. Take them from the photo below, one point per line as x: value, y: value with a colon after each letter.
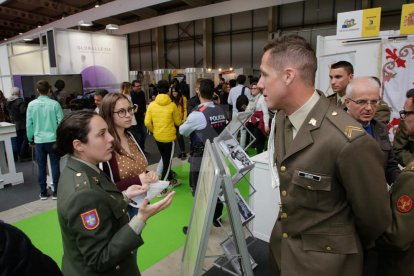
x: 165, y: 151
x: 195, y: 165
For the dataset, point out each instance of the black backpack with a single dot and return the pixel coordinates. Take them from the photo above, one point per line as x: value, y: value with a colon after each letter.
x: 242, y: 101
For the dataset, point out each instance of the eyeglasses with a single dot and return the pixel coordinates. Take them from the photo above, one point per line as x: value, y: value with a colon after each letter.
x: 405, y: 113
x: 123, y: 112
x: 373, y: 103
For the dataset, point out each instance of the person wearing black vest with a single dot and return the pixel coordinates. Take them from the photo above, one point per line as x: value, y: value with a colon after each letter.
x: 204, y: 123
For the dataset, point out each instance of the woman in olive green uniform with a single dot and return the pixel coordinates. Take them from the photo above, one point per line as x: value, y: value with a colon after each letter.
x: 98, y: 238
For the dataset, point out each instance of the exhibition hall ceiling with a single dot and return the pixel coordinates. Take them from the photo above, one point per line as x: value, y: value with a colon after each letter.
x: 21, y: 16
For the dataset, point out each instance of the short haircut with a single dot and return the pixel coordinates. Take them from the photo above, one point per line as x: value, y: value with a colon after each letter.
x: 366, y: 81
x: 101, y: 92
x: 197, y: 83
x: 206, y: 89
x: 232, y: 83
x: 347, y: 66
x: 241, y: 79
x: 293, y: 50
x: 136, y: 81
x: 410, y: 94
x: 75, y: 126
x: 43, y: 87
x: 163, y: 86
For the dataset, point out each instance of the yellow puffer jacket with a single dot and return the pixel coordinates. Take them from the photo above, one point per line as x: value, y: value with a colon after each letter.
x: 161, y: 118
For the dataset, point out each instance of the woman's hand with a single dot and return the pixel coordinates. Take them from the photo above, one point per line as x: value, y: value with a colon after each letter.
x: 148, y: 178
x: 146, y: 211
x: 134, y: 190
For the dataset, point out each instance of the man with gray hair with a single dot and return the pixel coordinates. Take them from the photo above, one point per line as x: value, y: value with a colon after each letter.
x: 362, y: 98
x: 17, y: 111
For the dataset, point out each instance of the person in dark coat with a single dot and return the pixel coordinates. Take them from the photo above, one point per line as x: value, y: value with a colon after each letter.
x: 19, y: 257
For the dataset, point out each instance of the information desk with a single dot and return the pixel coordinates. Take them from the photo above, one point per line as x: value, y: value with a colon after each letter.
x: 265, y: 201
x: 8, y: 173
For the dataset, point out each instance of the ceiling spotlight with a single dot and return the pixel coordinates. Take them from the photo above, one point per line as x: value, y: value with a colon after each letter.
x: 112, y: 27
x: 20, y: 33
x: 5, y: 39
x: 219, y: 69
x: 231, y: 68
x: 98, y: 3
x: 64, y: 15
x: 85, y: 23
x: 27, y: 39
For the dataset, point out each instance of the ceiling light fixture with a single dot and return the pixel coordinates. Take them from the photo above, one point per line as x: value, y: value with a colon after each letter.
x: 27, y: 39
x: 98, y: 4
x: 85, y: 23
x: 112, y: 27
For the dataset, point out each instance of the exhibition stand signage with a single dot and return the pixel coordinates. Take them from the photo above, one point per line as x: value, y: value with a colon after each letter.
x: 357, y: 24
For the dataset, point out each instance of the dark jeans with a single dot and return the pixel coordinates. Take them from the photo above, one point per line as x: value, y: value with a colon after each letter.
x: 22, y: 144
x: 41, y: 152
x: 180, y: 140
x: 140, y: 134
x: 165, y: 151
x: 195, y: 165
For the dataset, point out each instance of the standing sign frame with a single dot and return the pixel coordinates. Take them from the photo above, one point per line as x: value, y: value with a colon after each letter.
x: 213, y: 176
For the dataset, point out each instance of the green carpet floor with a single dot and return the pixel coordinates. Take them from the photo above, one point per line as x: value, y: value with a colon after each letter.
x: 162, y: 235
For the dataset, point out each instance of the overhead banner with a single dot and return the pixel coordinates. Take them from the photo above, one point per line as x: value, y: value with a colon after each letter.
x: 101, y: 59
x: 397, y: 77
x: 407, y: 19
x: 357, y: 24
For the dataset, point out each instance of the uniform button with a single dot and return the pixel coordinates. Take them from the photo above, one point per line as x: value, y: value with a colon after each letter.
x: 284, y: 215
x: 132, y: 252
x: 328, y: 248
x: 309, y: 187
x: 284, y: 193
x: 123, y: 211
x: 78, y: 174
x: 118, y: 267
x: 283, y: 169
x: 285, y: 235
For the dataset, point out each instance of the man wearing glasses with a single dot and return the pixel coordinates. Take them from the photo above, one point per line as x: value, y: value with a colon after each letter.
x: 395, y: 246
x: 138, y: 98
x: 362, y: 98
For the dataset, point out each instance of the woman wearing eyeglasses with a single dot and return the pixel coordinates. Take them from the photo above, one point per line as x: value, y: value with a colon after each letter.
x: 259, y: 122
x: 128, y: 164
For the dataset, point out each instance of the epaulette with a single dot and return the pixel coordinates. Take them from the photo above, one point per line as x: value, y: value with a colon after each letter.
x: 349, y: 127
x: 410, y: 166
x: 81, y: 181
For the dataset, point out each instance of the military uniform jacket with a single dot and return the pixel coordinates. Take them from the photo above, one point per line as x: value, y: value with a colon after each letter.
x: 334, y: 100
x: 334, y: 200
x: 396, y: 245
x: 403, y: 145
x: 97, y: 239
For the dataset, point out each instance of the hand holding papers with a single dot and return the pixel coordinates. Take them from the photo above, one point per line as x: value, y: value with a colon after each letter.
x: 153, y: 190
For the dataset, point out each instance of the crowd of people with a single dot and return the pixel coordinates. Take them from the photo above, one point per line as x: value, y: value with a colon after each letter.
x: 345, y: 204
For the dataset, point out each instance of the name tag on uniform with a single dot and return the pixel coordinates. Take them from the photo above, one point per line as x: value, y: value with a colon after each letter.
x: 309, y: 176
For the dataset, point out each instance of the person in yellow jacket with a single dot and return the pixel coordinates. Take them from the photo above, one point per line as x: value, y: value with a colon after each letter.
x: 181, y: 101
x: 161, y: 119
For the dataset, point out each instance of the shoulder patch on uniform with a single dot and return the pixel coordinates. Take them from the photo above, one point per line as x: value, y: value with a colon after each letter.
x: 81, y: 180
x: 90, y: 219
x: 344, y: 123
x: 404, y: 204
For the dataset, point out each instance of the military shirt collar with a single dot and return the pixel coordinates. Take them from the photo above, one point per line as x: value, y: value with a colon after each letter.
x: 92, y: 166
x: 298, y: 117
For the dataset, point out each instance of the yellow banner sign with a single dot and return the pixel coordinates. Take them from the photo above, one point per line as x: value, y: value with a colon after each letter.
x: 407, y: 19
x: 371, y: 20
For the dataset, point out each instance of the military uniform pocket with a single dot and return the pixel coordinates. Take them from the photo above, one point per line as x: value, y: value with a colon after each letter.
x: 330, y: 243
x: 309, y: 188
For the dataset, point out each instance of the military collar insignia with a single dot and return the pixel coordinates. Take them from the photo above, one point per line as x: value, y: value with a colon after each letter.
x: 90, y: 219
x: 312, y: 122
x: 404, y: 204
x: 349, y: 129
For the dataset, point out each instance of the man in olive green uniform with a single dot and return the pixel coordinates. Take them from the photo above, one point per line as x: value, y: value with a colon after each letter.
x: 403, y: 145
x: 340, y: 74
x: 334, y: 200
x: 94, y: 224
x: 396, y: 245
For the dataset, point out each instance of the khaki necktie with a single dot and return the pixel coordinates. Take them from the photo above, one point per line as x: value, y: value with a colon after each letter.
x: 288, y: 134
x: 339, y: 102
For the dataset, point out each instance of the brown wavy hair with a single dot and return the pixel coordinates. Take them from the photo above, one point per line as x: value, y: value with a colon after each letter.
x: 107, y: 113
